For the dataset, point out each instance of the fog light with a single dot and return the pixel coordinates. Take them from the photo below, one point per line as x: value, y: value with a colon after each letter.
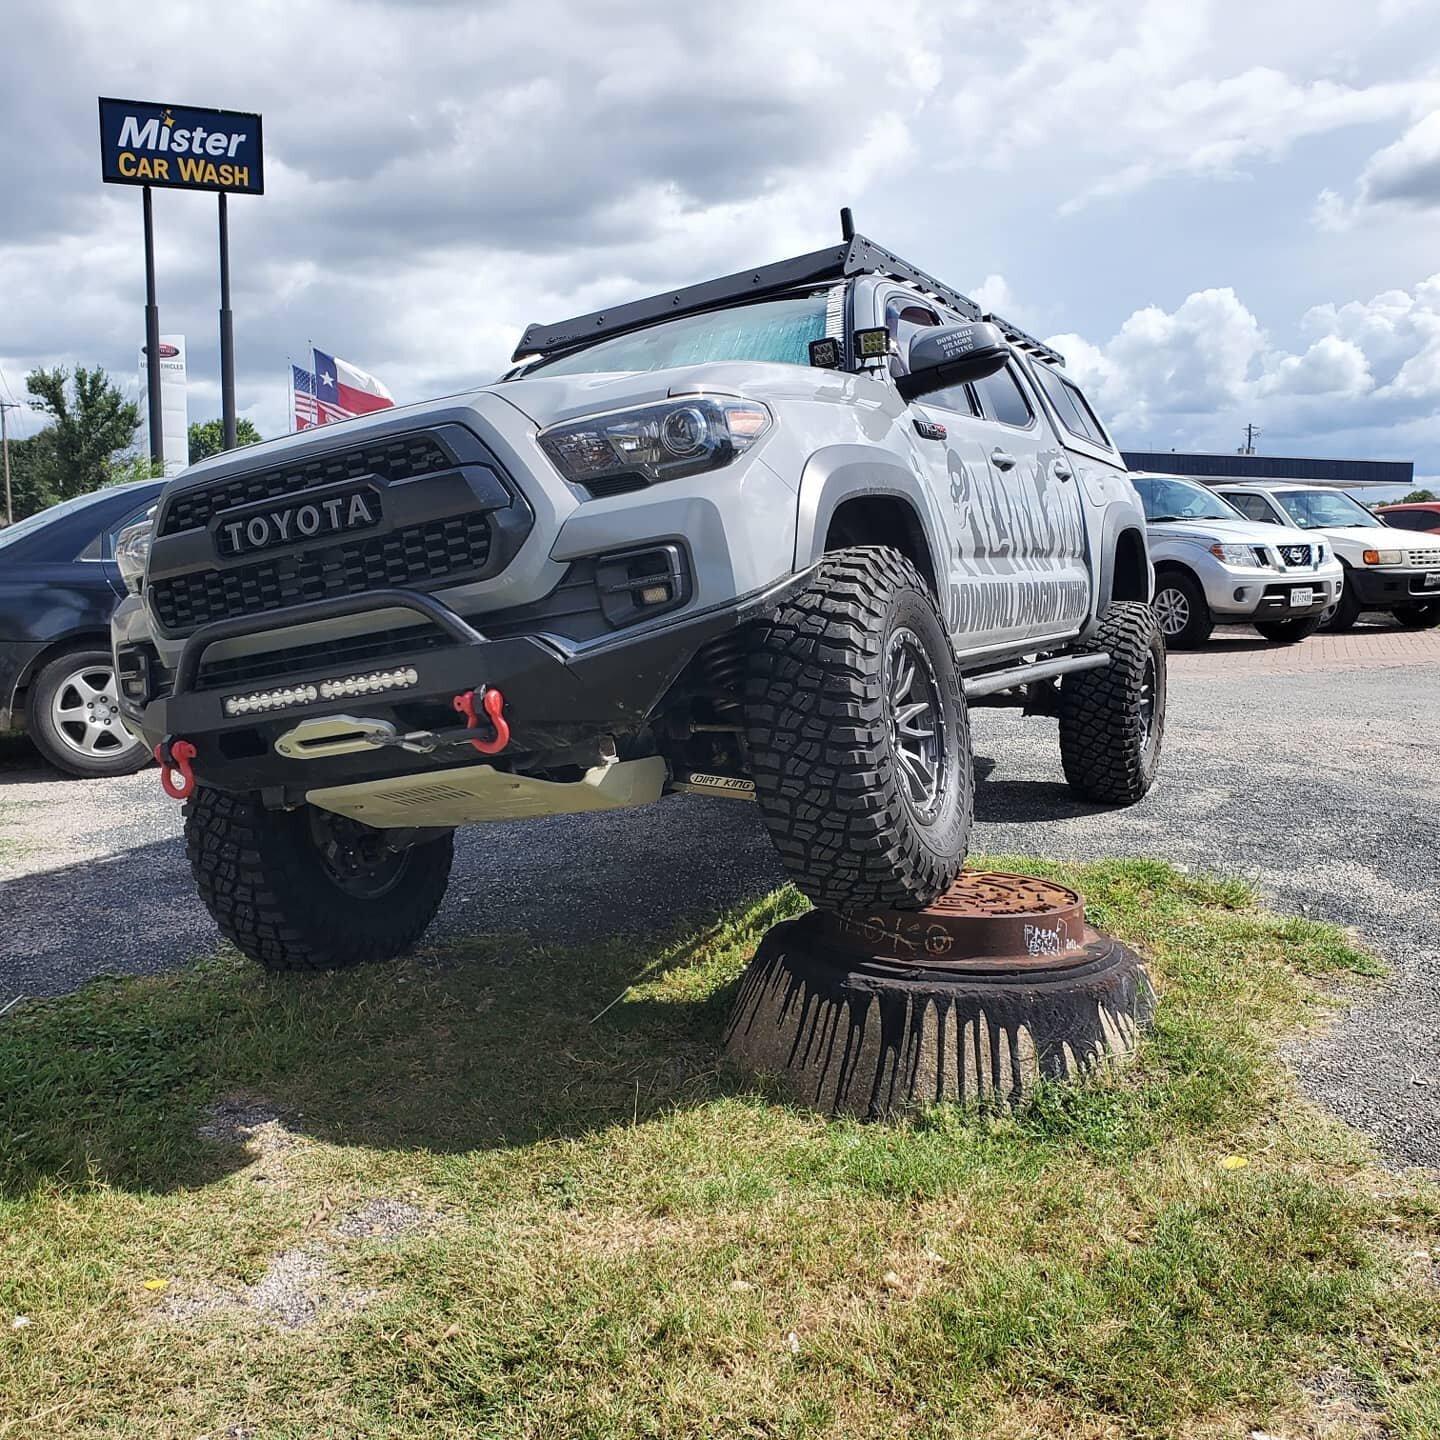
x: 655, y: 594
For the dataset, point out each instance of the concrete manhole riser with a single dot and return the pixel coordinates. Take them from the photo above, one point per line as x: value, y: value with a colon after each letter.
x: 956, y: 1010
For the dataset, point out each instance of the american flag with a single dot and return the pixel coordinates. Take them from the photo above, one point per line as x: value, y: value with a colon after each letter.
x: 302, y: 390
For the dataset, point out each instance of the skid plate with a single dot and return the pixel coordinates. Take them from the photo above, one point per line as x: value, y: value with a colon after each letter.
x: 479, y: 793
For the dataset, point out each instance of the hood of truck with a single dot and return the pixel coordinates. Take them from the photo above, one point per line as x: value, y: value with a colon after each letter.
x: 1352, y: 540
x: 549, y: 399
x: 1229, y: 532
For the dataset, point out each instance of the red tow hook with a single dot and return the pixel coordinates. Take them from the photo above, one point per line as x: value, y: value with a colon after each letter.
x: 172, y: 756
x: 493, y: 704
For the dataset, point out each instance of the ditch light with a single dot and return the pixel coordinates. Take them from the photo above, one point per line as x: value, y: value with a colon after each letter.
x: 374, y: 683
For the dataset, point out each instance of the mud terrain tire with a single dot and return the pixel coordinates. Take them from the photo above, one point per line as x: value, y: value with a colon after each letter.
x: 265, y: 878
x: 1112, y: 721
x: 863, y: 808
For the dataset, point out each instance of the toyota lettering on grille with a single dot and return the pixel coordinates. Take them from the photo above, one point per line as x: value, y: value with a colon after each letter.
x: 299, y: 520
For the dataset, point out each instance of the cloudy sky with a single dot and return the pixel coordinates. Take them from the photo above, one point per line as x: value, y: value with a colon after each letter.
x: 1226, y: 212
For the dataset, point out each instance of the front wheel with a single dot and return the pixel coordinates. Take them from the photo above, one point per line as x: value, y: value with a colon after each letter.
x: 305, y: 889
x: 859, y: 737
x: 1343, y: 614
x: 1112, y: 720
x: 73, y: 716
x: 1181, y: 610
x: 1419, y: 617
x: 1288, y: 632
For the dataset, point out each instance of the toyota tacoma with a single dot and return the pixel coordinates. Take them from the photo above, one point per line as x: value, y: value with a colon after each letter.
x: 765, y: 538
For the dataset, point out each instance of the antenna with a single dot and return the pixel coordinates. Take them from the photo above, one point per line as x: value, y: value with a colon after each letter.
x: 847, y: 223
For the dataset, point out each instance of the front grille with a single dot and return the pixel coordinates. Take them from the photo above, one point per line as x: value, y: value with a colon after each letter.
x: 1423, y: 558
x: 402, y: 458
x: 437, y: 550
x: 349, y: 652
x: 1294, y: 555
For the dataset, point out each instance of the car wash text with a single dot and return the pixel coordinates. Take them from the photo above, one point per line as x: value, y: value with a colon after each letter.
x: 180, y: 147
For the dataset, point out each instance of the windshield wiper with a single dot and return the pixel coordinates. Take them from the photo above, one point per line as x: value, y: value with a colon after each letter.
x: 1161, y: 519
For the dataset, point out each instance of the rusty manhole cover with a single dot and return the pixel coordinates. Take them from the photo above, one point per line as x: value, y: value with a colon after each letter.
x: 984, y: 917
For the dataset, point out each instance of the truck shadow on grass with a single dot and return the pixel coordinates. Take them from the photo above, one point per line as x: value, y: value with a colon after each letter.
x: 475, y: 1045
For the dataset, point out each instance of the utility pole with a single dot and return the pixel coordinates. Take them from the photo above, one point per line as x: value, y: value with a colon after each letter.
x: 1250, y: 433
x: 5, y: 446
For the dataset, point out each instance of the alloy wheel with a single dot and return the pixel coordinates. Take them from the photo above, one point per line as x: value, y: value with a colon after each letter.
x: 917, y: 723
x: 85, y: 711
x: 1172, y: 610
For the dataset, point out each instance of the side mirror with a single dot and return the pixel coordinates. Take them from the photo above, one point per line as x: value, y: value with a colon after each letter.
x: 951, y: 355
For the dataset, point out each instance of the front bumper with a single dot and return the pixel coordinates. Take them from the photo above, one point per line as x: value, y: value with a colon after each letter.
x: 1249, y: 595
x: 1386, y: 589
x: 557, y: 705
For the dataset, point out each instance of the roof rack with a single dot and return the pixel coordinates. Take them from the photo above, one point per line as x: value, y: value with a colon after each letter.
x: 856, y: 255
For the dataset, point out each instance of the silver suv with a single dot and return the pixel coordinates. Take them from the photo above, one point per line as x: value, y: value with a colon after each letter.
x: 764, y: 538
x: 1215, y: 567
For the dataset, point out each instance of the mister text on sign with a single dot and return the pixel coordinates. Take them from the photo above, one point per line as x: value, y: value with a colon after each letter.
x: 183, y: 147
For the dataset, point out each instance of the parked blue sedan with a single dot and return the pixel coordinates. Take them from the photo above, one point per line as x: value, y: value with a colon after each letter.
x: 58, y: 585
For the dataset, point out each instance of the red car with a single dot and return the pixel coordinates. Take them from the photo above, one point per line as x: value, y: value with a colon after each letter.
x: 1423, y: 515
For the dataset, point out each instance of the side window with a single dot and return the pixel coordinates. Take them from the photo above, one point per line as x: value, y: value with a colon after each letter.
x: 1252, y: 506
x: 1412, y: 519
x: 904, y: 317
x: 1003, y: 400
x: 1071, y: 405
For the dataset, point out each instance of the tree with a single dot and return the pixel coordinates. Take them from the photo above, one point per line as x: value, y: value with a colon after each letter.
x: 90, y: 423
x: 1417, y: 497
x: 209, y: 439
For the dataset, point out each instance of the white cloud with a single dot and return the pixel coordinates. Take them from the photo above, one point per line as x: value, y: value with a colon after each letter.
x: 1193, y: 377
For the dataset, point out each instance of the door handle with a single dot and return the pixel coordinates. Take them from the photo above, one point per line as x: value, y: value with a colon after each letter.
x: 1062, y: 471
x: 1002, y: 459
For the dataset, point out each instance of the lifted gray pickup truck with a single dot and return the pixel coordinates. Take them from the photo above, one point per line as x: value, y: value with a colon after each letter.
x: 764, y: 538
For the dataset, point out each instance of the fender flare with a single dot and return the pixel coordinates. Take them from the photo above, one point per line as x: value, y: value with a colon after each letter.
x: 1118, y: 518
x: 847, y: 472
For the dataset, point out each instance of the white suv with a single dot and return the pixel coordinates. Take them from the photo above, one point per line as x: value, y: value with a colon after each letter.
x: 1215, y: 567
x: 1385, y: 568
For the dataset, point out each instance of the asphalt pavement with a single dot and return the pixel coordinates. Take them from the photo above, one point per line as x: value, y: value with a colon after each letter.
x: 1313, y: 770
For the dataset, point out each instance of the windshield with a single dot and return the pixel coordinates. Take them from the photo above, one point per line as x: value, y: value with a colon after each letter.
x: 1165, y: 498
x: 21, y: 528
x: 1324, y: 509
x: 777, y: 330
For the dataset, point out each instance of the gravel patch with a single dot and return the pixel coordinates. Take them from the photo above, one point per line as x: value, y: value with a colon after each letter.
x: 297, y: 1289
x: 246, y: 1122
x: 1321, y: 785
x: 384, y: 1220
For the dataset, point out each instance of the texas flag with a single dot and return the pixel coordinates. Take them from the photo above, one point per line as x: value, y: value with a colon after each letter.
x: 343, y: 390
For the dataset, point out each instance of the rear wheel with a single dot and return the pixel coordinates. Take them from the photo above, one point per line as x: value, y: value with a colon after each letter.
x: 1287, y: 632
x: 304, y: 889
x: 1419, y: 617
x: 1112, y: 720
x: 1181, y: 611
x: 1343, y: 614
x: 859, y: 737
x: 73, y: 716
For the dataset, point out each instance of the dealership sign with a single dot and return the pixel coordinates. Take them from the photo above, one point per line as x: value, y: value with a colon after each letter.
x: 181, y: 146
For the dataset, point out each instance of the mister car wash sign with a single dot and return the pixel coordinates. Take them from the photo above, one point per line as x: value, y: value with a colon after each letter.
x: 180, y: 146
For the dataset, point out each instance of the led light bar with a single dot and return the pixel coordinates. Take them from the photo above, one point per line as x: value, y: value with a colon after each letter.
x: 373, y: 683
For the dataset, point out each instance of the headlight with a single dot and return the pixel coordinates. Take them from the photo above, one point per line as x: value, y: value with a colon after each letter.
x: 656, y: 442
x: 1245, y: 557
x: 1383, y: 557
x: 132, y: 550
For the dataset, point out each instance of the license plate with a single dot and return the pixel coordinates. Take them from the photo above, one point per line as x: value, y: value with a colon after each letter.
x: 1302, y: 596
x: 1431, y: 580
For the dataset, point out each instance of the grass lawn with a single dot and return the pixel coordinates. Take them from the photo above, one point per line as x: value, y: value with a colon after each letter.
x: 435, y: 1199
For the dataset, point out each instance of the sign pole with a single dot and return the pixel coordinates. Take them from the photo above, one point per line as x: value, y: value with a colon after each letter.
x: 227, y: 331
x: 152, y: 338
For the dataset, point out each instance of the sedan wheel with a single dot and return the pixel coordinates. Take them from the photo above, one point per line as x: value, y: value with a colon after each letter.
x: 74, y: 717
